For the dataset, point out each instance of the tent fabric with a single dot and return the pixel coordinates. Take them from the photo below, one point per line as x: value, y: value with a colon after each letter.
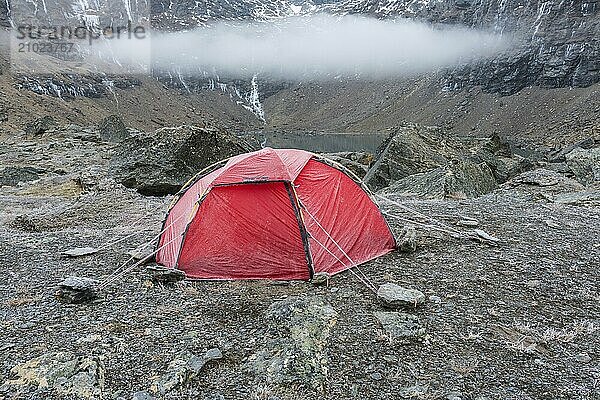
x: 268, y: 215
x: 264, y: 165
x: 260, y: 238
x: 341, y: 208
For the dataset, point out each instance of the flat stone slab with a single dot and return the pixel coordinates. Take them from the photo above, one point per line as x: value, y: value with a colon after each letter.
x: 67, y: 375
x: 399, y: 325
x: 165, y: 275
x: 78, y: 283
x: 181, y: 370
x: 76, y: 290
x: 408, y: 240
x: 394, y: 296
x: 485, y: 236
x: 296, y: 352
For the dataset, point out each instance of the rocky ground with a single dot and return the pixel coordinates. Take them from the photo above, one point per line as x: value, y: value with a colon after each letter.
x: 513, y: 319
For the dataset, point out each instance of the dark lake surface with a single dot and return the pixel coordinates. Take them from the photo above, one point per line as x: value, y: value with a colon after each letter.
x: 322, y: 142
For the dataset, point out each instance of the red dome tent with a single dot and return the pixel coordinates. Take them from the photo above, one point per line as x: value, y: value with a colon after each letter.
x: 272, y: 214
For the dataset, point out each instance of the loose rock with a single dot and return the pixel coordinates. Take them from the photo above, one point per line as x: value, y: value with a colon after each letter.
x: 583, y: 357
x: 470, y: 223
x: 394, y: 296
x: 414, y: 392
x: 408, y: 240
x: 585, y: 165
x: 483, y: 235
x: 113, y: 129
x: 142, y: 396
x: 320, y: 278
x: 454, y: 396
x: 80, y: 251
x: 77, y: 290
x: 166, y: 275
x: 376, y: 376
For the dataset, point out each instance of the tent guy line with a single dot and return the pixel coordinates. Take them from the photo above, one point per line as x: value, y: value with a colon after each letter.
x: 137, y: 249
x: 365, y: 279
x: 303, y: 176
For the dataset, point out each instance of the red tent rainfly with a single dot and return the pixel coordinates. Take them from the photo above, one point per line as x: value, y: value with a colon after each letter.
x: 272, y: 214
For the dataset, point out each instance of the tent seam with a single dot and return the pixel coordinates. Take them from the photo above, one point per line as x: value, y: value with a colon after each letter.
x: 304, y: 235
x: 198, y: 203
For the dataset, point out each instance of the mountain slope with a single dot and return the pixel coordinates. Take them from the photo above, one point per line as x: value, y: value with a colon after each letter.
x: 552, y: 117
x: 556, y: 47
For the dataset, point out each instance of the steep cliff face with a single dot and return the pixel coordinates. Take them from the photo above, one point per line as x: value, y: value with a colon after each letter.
x: 556, y: 40
x: 92, y: 14
x: 556, y: 46
x: 165, y: 14
x: 181, y: 14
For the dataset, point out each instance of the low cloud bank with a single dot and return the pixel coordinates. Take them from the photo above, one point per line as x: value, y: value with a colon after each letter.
x: 318, y: 46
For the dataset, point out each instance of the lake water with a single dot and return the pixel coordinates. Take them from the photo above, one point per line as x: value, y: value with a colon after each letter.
x: 319, y: 142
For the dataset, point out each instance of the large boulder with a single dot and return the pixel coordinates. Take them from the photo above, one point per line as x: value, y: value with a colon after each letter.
x: 113, y: 129
x: 560, y: 155
x: 585, y: 165
x: 543, y: 180
x: 427, y: 162
x: 409, y: 150
x: 506, y: 168
x: 357, y: 162
x: 160, y: 163
x: 12, y: 175
x: 40, y: 125
x: 456, y: 180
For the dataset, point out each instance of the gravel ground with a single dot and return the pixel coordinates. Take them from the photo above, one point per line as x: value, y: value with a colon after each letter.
x: 516, y: 320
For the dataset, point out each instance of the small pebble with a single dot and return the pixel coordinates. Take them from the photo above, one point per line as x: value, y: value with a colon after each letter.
x: 435, y: 299
x: 376, y: 376
x: 583, y: 357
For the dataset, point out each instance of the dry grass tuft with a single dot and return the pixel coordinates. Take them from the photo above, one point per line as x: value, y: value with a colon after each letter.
x: 21, y: 301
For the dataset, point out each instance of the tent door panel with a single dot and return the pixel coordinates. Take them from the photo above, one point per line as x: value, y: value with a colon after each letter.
x: 246, y: 231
